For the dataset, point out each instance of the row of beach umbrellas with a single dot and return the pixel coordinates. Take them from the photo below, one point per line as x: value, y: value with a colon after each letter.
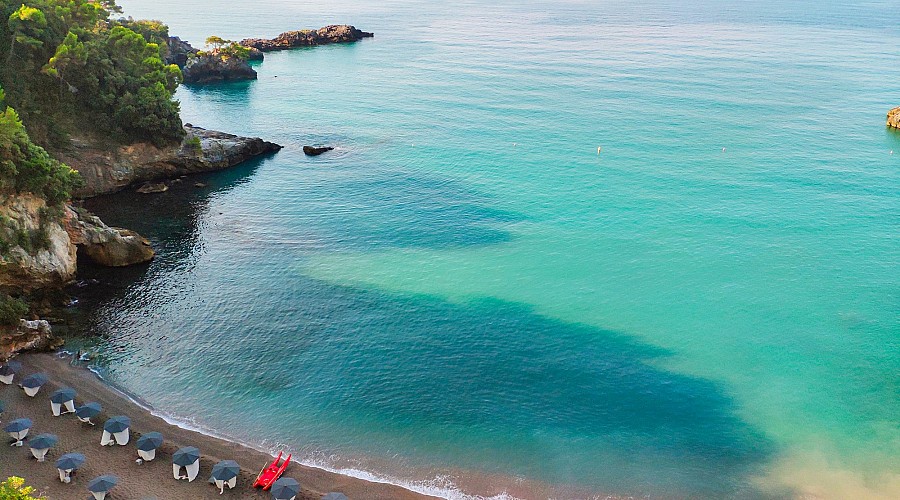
x: 116, y: 431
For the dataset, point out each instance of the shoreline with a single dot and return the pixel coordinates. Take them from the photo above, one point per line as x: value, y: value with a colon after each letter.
x: 154, y: 477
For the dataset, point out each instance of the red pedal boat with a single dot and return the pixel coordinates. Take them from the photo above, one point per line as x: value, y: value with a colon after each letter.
x: 270, y: 474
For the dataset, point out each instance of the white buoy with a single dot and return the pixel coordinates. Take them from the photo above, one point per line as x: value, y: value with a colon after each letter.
x: 723, y: 150
x: 599, y: 148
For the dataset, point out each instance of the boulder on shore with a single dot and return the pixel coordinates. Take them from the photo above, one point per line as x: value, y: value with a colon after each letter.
x: 27, y: 336
x: 316, y: 151
x: 342, y: 33
x: 893, y: 118
x: 153, y: 187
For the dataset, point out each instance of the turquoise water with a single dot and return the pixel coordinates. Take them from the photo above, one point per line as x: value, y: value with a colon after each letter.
x: 465, y: 295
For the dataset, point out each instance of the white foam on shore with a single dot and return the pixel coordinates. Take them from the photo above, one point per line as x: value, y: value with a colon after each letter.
x: 441, y: 486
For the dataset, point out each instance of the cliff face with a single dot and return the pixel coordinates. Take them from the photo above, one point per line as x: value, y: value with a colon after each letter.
x: 24, y: 268
x: 106, y: 171
x: 307, y: 38
x: 893, y: 118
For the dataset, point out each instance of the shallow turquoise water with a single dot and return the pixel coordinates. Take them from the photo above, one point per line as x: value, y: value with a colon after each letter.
x: 466, y: 290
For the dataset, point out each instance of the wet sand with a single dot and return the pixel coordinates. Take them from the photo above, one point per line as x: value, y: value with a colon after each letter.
x: 152, y: 479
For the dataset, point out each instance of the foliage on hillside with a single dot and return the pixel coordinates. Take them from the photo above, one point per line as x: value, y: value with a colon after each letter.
x: 67, y: 65
x: 14, y: 489
x: 26, y: 167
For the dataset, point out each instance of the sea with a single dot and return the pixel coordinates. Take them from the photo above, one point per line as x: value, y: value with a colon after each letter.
x: 562, y: 249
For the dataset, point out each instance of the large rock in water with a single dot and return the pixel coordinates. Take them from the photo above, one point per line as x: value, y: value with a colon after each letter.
x: 212, y: 67
x: 38, y: 251
x: 107, y: 171
x: 893, y: 118
x: 108, y: 246
x: 342, y: 33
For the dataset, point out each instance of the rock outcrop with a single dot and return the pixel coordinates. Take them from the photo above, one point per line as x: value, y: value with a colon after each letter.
x: 316, y: 151
x: 38, y: 251
x: 107, y: 171
x: 178, y: 51
x: 210, y: 67
x: 107, y: 246
x: 893, y: 118
x: 307, y: 38
x: 28, y: 336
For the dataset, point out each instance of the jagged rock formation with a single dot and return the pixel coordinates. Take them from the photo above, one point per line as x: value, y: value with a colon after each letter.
x: 210, y: 67
x: 41, y: 245
x: 29, y: 335
x: 107, y: 171
x: 893, y: 118
x: 38, y: 252
x: 107, y: 246
x: 308, y: 38
x: 178, y: 51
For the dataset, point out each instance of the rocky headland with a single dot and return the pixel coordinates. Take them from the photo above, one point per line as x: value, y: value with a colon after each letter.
x: 308, y: 38
x: 211, y: 67
x: 199, y: 67
x: 108, y: 170
x: 893, y: 118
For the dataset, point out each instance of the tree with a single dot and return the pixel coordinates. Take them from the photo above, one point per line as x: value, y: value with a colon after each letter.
x: 216, y: 42
x: 14, y: 489
x: 26, y: 25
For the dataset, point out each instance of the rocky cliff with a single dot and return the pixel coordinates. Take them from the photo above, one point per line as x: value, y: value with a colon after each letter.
x: 38, y: 252
x: 307, y: 38
x: 893, y: 118
x: 106, y: 171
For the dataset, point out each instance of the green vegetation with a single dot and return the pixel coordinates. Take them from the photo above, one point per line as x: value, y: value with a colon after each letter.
x: 195, y: 144
x: 11, y: 311
x: 14, y: 489
x: 227, y: 48
x: 26, y: 167
x: 70, y: 66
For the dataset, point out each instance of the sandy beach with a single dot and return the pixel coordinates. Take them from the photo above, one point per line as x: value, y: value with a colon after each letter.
x: 149, y: 480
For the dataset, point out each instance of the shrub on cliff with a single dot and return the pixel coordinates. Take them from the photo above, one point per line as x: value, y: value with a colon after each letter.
x: 69, y: 66
x: 11, y: 311
x: 26, y: 167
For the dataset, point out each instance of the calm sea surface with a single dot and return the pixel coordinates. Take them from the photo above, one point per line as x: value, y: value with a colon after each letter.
x: 465, y: 297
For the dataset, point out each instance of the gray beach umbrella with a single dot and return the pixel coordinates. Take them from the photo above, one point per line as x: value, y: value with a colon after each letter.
x: 335, y: 496
x: 116, y: 425
x: 35, y: 381
x: 150, y: 441
x: 43, y: 441
x: 88, y: 410
x: 18, y: 425
x: 63, y: 396
x: 285, y: 488
x: 225, y: 470
x: 103, y: 483
x: 10, y: 368
x: 186, y: 456
x: 70, y: 461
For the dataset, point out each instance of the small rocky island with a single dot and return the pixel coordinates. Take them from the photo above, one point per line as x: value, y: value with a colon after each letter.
x: 342, y: 33
x: 893, y: 118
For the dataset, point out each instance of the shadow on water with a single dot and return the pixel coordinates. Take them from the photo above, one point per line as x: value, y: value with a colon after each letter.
x: 515, y: 392
x: 485, y: 385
